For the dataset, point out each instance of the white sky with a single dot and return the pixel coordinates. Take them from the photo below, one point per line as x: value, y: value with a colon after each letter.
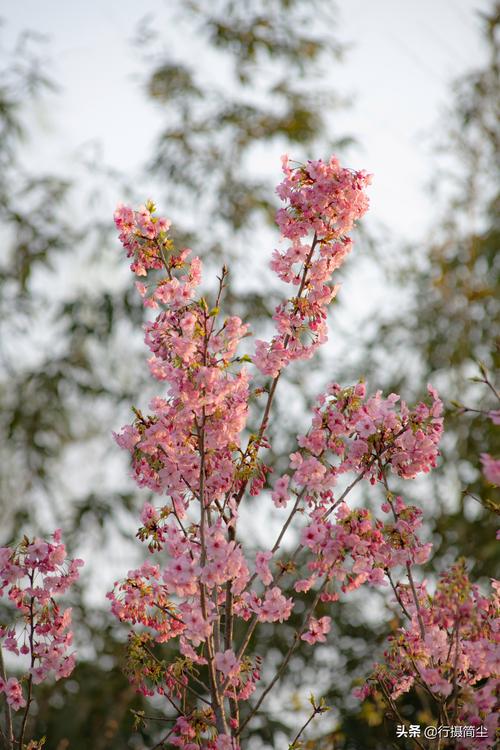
x: 403, y: 55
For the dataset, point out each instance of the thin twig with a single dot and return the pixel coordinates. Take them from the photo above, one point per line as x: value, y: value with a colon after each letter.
x: 315, y: 712
x: 392, y: 705
x: 217, y: 701
x: 272, y: 390
x: 288, y: 656
x: 161, y: 743
x: 491, y: 387
x: 176, y: 679
x: 417, y: 603
x: 455, y: 672
x: 396, y: 594
x: 408, y: 566
x: 8, y: 712
x: 32, y: 664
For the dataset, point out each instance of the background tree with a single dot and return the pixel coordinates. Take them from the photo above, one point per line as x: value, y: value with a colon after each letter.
x: 453, y: 316
x: 448, y: 324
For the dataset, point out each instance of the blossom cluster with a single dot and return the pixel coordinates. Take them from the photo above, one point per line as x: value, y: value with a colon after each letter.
x: 192, y: 353
x: 355, y: 549
x: 197, y: 731
x: 352, y: 433
x: 323, y: 202
x: 32, y: 575
x: 143, y: 235
x: 450, y: 649
x: 322, y: 197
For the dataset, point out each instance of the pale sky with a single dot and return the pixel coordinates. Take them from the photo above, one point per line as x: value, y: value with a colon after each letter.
x: 402, y: 57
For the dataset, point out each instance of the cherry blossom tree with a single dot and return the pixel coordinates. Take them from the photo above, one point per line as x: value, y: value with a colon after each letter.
x: 32, y: 574
x: 203, y: 588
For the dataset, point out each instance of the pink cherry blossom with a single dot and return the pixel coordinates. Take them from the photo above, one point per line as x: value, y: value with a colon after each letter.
x: 13, y: 693
x: 491, y: 468
x: 280, y: 495
x: 317, y: 630
x: 227, y: 663
x: 262, y: 567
